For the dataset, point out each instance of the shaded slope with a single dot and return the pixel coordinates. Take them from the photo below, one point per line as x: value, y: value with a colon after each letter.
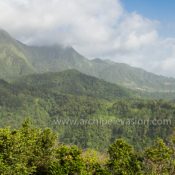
x: 75, y: 83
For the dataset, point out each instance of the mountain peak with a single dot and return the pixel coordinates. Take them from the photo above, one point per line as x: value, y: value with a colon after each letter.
x: 97, y: 60
x: 5, y: 37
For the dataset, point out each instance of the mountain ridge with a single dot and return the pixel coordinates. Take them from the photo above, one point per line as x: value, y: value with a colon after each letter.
x: 73, y: 82
x: 18, y: 59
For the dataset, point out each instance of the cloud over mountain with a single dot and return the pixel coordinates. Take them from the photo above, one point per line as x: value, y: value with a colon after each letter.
x: 100, y: 28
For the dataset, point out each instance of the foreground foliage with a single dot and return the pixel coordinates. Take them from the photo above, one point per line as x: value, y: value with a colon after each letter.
x: 34, y: 151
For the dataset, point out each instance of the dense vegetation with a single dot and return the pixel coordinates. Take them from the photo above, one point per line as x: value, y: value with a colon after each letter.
x: 29, y: 150
x: 85, y: 111
x: 73, y: 82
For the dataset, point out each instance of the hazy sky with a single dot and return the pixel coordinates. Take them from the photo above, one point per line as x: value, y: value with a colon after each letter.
x: 138, y: 32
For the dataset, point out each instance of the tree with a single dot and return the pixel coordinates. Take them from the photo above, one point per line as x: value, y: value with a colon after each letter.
x: 67, y: 161
x: 158, y: 159
x: 123, y: 159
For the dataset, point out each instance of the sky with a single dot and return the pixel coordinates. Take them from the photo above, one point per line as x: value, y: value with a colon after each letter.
x: 137, y: 32
x: 161, y: 10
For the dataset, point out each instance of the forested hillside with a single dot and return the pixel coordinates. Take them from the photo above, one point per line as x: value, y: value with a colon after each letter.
x: 73, y: 82
x: 84, y: 110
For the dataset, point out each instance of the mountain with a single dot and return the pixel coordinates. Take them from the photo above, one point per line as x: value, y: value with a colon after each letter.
x: 131, y: 77
x: 13, y: 62
x: 73, y: 82
x: 18, y: 59
x: 55, y: 58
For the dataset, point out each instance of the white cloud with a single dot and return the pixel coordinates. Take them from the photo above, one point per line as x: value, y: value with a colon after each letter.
x: 96, y: 28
